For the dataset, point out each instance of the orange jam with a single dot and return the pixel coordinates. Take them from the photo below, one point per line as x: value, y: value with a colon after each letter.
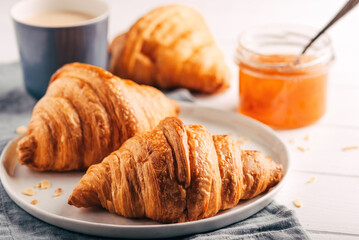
x: 283, y: 91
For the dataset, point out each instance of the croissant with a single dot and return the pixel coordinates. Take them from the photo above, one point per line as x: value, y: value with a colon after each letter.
x: 86, y: 114
x: 170, y: 47
x: 176, y: 173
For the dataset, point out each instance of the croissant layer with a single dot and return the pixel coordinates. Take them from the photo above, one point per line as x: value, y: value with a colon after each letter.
x: 86, y: 114
x: 176, y: 173
x: 171, y: 47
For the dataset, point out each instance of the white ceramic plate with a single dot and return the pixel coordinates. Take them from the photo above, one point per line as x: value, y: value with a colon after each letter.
x: 96, y: 221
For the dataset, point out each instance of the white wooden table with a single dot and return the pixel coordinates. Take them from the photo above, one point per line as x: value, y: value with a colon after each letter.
x: 331, y: 203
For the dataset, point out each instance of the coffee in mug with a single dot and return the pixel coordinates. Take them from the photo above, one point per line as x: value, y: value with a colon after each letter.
x: 57, y: 18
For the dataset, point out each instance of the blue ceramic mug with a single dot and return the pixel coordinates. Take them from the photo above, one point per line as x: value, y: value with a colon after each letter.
x: 45, y: 46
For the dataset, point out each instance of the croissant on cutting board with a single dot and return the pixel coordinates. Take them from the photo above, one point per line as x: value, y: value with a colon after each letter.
x: 171, y: 47
x: 176, y: 173
x: 86, y: 114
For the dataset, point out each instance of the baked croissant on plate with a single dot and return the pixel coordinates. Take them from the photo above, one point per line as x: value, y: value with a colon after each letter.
x: 86, y: 114
x: 171, y: 47
x: 176, y: 173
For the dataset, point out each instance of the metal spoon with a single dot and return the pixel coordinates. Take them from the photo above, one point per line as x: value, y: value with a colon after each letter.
x: 347, y: 7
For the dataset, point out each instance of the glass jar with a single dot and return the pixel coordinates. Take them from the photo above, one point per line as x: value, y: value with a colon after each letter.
x: 277, y: 85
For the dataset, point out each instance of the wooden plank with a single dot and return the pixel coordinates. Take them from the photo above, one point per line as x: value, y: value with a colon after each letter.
x: 343, y: 106
x: 317, y: 235
x: 323, y: 152
x: 329, y: 204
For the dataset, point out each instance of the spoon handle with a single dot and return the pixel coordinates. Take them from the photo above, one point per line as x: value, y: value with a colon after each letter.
x: 347, y: 7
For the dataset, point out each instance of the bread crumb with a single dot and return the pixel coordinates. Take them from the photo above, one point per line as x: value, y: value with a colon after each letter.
x: 301, y: 149
x: 34, y: 202
x: 58, y: 192
x: 21, y: 129
x: 29, y: 192
x: 292, y: 140
x: 312, y: 179
x: 38, y: 185
x: 349, y: 148
x: 297, y: 203
x: 307, y: 138
x: 45, y: 184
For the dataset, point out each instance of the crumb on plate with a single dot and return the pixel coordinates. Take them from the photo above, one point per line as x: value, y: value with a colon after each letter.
x: 45, y: 184
x: 29, y: 192
x: 58, y: 192
x: 21, y: 129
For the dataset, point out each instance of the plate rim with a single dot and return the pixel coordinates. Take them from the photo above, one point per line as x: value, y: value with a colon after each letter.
x: 53, y: 218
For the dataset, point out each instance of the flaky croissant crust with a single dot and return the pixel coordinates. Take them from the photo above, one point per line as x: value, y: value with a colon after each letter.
x: 170, y: 47
x: 176, y: 173
x: 86, y: 114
